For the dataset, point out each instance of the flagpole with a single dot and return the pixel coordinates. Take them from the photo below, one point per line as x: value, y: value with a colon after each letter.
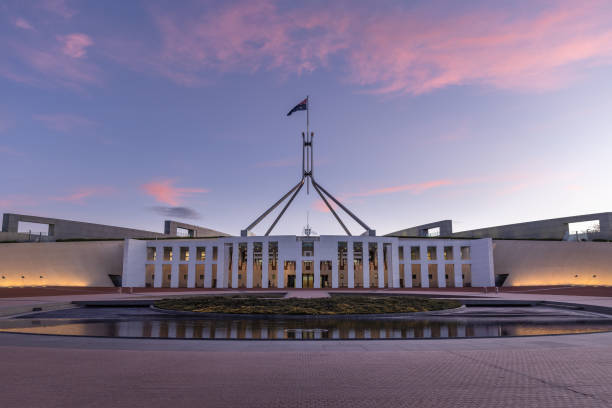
x: 308, y: 151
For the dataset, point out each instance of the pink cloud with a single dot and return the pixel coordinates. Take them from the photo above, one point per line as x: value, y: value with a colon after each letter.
x: 64, y: 122
x: 395, y: 50
x: 164, y: 192
x: 80, y: 195
x: 417, y: 188
x: 319, y: 205
x: 58, y: 7
x: 22, y: 23
x: 533, y: 51
x: 50, y: 61
x: 75, y: 45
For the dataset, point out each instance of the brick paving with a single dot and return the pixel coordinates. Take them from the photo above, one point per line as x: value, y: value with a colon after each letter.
x: 540, y: 372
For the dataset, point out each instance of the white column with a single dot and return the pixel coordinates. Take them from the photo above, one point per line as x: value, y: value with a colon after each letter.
x: 264, y: 264
x: 458, y: 277
x: 441, y: 267
x: 381, y: 264
x: 424, y: 267
x: 157, y: 280
x: 280, y: 274
x: 425, y: 274
x: 235, y: 255
x: 334, y: 262
x: 174, y: 279
x: 407, y: 272
x: 298, y: 271
x: 222, y: 265
x: 249, y: 273
x: 317, y: 272
x: 365, y: 255
x: 350, y: 264
x: 208, y: 267
x: 191, y: 278
x: 393, y: 258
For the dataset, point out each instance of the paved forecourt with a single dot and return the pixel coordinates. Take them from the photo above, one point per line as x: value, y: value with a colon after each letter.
x: 547, y: 371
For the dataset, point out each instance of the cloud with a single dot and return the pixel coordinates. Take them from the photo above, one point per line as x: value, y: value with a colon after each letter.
x: 58, y: 7
x: 64, y: 122
x: 50, y: 61
x: 177, y: 212
x: 21, y: 23
x: 416, y: 188
x: 393, y: 49
x: 319, y: 205
x: 80, y: 195
x: 75, y: 45
x: 164, y: 192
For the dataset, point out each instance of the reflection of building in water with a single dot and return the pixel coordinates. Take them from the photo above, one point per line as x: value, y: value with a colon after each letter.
x: 301, y: 329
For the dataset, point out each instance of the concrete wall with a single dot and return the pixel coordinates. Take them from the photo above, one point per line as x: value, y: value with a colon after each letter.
x: 553, y: 262
x: 60, y: 263
x: 170, y: 228
x: 446, y: 230
x: 555, y: 228
x: 66, y: 229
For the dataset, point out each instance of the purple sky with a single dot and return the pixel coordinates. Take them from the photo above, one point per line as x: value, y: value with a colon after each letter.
x: 129, y: 113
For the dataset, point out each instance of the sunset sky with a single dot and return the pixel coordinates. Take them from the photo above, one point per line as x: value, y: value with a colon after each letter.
x: 131, y: 112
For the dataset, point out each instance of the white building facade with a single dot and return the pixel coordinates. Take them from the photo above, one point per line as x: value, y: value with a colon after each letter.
x: 327, y: 261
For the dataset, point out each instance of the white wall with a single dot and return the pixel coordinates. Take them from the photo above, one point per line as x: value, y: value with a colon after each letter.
x: 86, y: 263
x: 534, y: 263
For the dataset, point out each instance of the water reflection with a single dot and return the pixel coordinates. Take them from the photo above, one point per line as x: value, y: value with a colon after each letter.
x: 296, y: 329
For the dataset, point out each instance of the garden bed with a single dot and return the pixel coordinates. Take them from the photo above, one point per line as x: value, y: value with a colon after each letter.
x: 336, y: 305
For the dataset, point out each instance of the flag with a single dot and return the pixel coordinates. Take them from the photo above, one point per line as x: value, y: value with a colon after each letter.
x: 299, y: 107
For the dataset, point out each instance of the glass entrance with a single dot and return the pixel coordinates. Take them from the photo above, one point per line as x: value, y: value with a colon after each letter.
x: 307, y: 280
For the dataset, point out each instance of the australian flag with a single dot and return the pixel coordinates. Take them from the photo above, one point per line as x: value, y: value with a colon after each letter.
x: 300, y: 106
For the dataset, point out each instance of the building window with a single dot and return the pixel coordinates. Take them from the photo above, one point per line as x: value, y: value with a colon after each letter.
x: 448, y: 253
x: 167, y: 253
x: 183, y: 232
x: 415, y: 253
x: 307, y: 248
x: 151, y: 254
x: 431, y: 253
x: 184, y: 253
x: 201, y: 253
x: 215, y: 253
x: 466, y: 252
x: 433, y: 232
x: 400, y: 252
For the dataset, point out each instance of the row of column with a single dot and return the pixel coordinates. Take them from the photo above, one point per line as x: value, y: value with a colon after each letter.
x: 393, y: 275
x: 191, y: 266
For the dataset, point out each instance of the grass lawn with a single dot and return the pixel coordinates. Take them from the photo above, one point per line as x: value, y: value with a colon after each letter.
x: 335, y: 305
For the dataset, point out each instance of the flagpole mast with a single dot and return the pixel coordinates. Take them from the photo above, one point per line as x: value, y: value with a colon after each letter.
x: 308, y: 151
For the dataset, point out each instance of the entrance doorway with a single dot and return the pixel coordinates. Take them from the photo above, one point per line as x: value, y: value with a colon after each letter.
x: 307, y: 280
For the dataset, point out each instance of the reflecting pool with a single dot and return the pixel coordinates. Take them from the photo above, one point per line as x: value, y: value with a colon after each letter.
x: 299, y: 329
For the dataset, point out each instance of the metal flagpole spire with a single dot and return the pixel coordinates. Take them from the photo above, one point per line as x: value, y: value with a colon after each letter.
x: 308, y: 139
x: 308, y: 177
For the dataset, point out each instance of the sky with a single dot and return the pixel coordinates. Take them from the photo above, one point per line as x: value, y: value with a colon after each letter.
x: 130, y: 113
